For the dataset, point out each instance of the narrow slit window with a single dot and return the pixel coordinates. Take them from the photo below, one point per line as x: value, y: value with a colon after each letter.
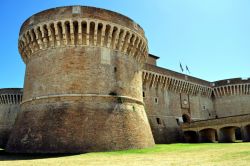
x: 158, y: 121
x: 156, y: 100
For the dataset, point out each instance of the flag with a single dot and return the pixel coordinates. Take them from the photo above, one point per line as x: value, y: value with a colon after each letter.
x: 187, y: 69
x: 181, y: 67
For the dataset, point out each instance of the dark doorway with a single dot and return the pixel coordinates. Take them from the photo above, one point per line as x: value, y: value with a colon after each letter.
x: 238, y: 135
x: 191, y: 136
x: 186, y: 118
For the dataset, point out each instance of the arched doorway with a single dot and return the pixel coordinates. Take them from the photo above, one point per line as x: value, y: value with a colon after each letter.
x: 208, y: 135
x: 227, y: 134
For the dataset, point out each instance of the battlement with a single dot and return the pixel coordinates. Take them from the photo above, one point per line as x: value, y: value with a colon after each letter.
x: 173, y: 81
x: 82, y: 26
x: 11, y: 96
x: 230, y: 87
x: 182, y: 83
x: 231, y: 81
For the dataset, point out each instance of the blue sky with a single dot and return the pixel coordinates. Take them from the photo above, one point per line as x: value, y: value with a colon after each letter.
x: 212, y: 37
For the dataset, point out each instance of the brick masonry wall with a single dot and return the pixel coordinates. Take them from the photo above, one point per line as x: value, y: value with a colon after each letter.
x: 8, y: 113
x: 169, y: 107
x: 9, y: 108
x: 78, y: 124
x: 232, y: 105
x: 81, y: 71
x: 83, y: 86
x: 84, y: 70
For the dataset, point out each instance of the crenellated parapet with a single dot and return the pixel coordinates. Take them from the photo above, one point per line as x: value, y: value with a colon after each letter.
x: 231, y: 87
x: 175, y: 84
x: 181, y: 83
x: 228, y: 87
x: 11, y: 96
x: 80, y: 26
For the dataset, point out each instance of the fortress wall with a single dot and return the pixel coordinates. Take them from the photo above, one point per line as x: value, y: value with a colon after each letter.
x: 86, y: 72
x: 8, y: 114
x: 162, y: 120
x: 85, y: 89
x: 166, y: 115
x: 9, y: 108
x: 232, y: 105
x: 167, y: 98
x: 232, y: 97
x: 201, y: 108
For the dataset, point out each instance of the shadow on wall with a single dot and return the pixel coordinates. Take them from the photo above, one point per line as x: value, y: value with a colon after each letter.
x: 4, y: 156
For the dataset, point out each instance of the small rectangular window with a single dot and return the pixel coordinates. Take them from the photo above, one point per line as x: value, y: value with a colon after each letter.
x: 203, y: 107
x: 143, y: 94
x: 158, y: 121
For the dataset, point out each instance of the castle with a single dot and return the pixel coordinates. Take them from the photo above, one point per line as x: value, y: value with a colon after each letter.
x: 90, y: 85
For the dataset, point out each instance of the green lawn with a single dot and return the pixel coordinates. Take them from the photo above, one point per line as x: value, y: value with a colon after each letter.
x: 234, y: 154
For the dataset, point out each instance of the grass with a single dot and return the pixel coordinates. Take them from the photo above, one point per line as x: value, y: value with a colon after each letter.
x: 161, y: 155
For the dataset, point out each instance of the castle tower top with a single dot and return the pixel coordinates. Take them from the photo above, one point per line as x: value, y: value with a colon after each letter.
x: 82, y: 26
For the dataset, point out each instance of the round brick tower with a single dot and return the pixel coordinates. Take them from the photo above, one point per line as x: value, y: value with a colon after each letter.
x: 83, y: 83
